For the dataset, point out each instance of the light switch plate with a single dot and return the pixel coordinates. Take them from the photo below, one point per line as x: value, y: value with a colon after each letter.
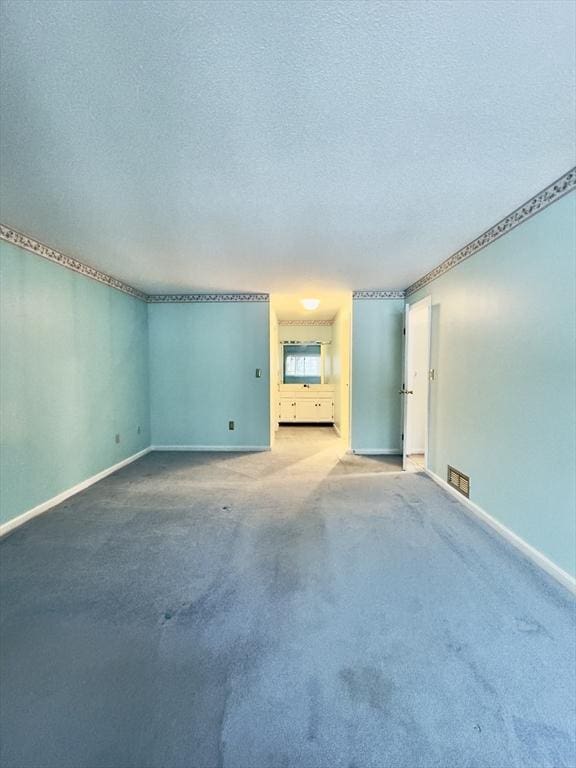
x: 258, y: 373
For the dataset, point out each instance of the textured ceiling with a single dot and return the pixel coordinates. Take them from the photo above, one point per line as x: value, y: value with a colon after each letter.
x: 278, y: 146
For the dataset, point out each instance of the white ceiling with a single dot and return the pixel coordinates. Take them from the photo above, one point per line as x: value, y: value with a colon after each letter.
x: 276, y: 146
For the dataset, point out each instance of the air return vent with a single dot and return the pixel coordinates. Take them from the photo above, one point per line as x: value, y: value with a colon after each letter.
x: 459, y: 481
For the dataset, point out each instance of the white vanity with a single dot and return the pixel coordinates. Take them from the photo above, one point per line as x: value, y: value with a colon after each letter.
x: 300, y: 403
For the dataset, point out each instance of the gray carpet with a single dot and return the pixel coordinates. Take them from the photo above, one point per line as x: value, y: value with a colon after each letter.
x: 278, y: 610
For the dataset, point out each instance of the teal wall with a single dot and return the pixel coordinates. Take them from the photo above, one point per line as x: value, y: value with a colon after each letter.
x: 503, y: 403
x: 203, y: 358
x: 74, y: 372
x: 377, y: 373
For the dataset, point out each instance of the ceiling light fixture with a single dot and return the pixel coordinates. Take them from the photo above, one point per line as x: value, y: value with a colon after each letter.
x: 310, y: 304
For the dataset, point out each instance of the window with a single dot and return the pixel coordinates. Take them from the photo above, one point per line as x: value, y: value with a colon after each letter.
x: 302, y: 364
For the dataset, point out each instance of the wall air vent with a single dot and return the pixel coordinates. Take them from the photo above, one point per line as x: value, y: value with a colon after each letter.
x: 459, y: 481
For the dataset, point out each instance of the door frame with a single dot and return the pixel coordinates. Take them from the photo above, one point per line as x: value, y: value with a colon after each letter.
x: 426, y: 303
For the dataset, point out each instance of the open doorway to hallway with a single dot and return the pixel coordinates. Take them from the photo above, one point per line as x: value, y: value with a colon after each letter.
x: 415, y: 389
x: 310, y: 367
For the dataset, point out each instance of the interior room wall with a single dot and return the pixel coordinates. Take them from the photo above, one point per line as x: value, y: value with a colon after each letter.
x: 74, y: 374
x: 335, y: 369
x: 274, y: 368
x: 340, y: 370
x: 305, y: 333
x: 418, y: 383
x: 203, y: 358
x: 377, y: 343
x: 345, y: 320
x: 502, y: 406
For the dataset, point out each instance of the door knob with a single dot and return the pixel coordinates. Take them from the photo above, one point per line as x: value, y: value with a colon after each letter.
x: 406, y: 392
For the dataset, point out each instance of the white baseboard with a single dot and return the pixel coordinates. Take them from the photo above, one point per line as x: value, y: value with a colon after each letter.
x: 35, y: 511
x: 212, y: 448
x: 526, y: 549
x: 376, y: 451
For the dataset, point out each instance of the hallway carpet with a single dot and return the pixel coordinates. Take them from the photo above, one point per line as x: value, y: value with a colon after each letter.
x: 281, y: 610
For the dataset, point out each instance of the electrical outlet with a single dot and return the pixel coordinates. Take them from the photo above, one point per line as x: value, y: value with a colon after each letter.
x: 258, y: 373
x: 117, y: 438
x: 230, y: 425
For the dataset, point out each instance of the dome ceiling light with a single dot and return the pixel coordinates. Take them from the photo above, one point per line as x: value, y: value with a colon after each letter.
x: 310, y: 304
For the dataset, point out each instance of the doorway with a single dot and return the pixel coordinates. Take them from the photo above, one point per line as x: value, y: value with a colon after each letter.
x: 310, y: 368
x: 416, y: 385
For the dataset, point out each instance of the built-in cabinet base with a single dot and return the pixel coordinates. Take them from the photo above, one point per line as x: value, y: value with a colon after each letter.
x: 298, y: 405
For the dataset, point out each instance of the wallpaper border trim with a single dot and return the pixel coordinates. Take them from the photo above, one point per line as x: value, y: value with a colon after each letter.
x: 550, y: 194
x: 40, y: 249
x: 202, y: 298
x: 305, y: 322
x: 28, y: 243
x: 378, y: 294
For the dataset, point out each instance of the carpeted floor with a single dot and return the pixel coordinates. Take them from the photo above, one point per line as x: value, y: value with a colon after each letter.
x: 281, y: 610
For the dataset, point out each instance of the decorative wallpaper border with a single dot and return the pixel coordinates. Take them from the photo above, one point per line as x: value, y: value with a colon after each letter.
x: 305, y: 322
x: 34, y: 246
x: 539, y: 202
x: 201, y: 298
x: 378, y: 294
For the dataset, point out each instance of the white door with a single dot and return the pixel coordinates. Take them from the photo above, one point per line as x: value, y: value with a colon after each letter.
x: 417, y: 320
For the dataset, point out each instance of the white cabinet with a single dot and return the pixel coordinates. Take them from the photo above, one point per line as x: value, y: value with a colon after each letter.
x: 325, y: 410
x: 301, y: 409
x: 287, y: 411
x: 306, y: 410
